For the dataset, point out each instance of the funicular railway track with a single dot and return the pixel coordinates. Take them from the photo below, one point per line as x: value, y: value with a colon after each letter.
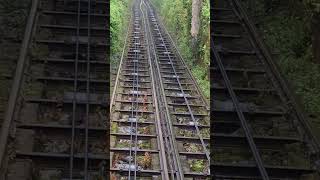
x: 136, y: 139
x: 59, y: 124
x: 154, y: 89
x: 258, y: 130
x: 186, y: 119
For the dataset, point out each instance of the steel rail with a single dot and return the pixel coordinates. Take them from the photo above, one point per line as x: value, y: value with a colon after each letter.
x: 184, y: 96
x: 88, y: 92
x: 163, y: 162
x: 168, y: 139
x: 253, y: 38
x: 199, y: 91
x: 48, y: 94
x: 284, y: 85
x: 135, y: 104
x: 243, y: 120
x: 136, y: 50
x: 137, y: 108
x: 16, y: 84
x: 178, y: 170
x: 135, y: 82
x: 112, y: 100
x: 132, y: 103
x: 75, y: 87
x: 187, y: 103
x: 132, y: 107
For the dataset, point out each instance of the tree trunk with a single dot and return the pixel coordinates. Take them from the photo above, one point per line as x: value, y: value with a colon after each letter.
x: 195, y: 26
x: 315, y: 25
x: 195, y: 23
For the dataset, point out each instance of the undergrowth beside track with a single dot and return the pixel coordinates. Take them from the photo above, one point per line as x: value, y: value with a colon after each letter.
x: 119, y: 18
x: 286, y: 29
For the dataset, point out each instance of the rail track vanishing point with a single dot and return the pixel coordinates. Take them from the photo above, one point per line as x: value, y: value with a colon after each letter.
x: 160, y: 120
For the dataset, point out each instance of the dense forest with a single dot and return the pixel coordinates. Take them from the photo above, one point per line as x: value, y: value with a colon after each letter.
x: 291, y: 29
x: 119, y: 17
x: 188, y: 22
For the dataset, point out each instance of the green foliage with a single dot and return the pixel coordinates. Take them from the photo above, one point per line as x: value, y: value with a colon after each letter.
x: 114, y: 128
x: 288, y: 33
x: 13, y: 18
x: 203, y: 82
x: 119, y: 16
x: 314, y: 5
x: 197, y: 165
x: 177, y: 18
